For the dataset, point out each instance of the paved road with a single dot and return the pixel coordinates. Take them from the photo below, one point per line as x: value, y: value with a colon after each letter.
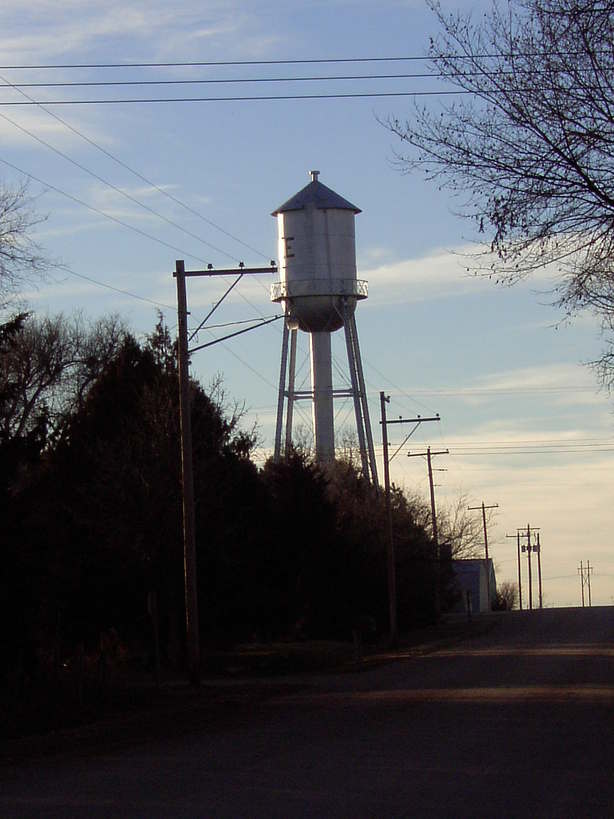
x: 516, y: 723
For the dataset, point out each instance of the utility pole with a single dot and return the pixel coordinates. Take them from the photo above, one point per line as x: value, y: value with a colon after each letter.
x: 529, y: 561
x: 585, y: 580
x: 391, y: 565
x: 429, y: 455
x: 528, y: 549
x: 517, y: 538
x: 390, y: 557
x: 187, y: 470
x: 589, y: 569
x: 537, y: 548
x: 187, y: 482
x: 484, y: 508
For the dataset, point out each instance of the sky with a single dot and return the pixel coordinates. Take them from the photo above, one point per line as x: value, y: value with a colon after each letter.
x: 128, y: 188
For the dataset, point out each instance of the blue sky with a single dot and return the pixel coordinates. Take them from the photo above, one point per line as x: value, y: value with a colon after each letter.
x: 494, y: 362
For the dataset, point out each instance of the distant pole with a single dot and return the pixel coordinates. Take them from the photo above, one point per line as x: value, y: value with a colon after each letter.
x: 435, y: 536
x: 484, y: 508
x: 581, y: 573
x: 519, y: 570
x: 187, y: 480
x: 392, y: 582
x: 529, y: 562
x: 517, y: 536
x: 539, y: 571
x: 432, y: 489
x: 589, y: 569
x: 392, y: 577
x: 429, y: 454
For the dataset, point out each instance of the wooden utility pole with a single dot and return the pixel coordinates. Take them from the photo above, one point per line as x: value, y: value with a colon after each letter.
x: 429, y: 454
x: 589, y: 569
x: 528, y: 549
x: 529, y: 559
x: 484, y: 508
x: 538, y: 549
x: 517, y: 538
x: 585, y: 580
x: 187, y: 482
x: 391, y: 565
x: 390, y: 558
x: 185, y: 418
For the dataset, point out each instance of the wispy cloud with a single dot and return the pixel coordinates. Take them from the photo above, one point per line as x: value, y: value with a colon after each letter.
x: 437, y: 275
x: 443, y: 273
x: 44, y: 30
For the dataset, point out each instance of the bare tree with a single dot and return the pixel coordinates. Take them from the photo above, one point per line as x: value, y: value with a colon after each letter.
x: 529, y: 147
x: 507, y: 596
x: 458, y: 529
x: 21, y: 259
x: 462, y: 529
x: 47, y: 366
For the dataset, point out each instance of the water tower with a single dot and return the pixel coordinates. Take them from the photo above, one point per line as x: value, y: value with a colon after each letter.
x: 318, y: 291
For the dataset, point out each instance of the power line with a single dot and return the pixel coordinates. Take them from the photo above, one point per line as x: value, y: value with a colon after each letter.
x: 308, y: 61
x: 315, y: 78
x: 147, y: 181
x: 117, y: 189
x: 94, y: 209
x: 243, y: 98
x: 136, y: 173
x: 107, y: 286
x: 116, y: 220
x: 470, y: 391
x: 536, y: 441
x: 241, y: 80
x: 227, y: 80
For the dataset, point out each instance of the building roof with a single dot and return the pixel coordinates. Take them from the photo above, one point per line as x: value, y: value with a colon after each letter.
x: 315, y: 193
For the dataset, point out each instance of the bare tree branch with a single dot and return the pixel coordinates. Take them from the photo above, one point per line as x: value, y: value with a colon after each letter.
x: 529, y: 149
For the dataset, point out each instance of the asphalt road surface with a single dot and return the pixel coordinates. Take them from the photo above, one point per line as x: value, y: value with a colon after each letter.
x: 518, y: 722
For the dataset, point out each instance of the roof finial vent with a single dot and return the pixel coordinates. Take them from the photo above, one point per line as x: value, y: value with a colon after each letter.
x: 314, y: 175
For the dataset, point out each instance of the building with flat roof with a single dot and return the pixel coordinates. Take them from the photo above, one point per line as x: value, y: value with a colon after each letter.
x: 475, y: 581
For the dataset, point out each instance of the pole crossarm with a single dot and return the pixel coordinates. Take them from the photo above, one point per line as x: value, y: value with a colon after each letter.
x: 230, y: 271
x: 425, y: 454
x: 416, y: 421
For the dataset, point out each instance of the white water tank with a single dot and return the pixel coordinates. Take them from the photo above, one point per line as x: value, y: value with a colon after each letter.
x: 317, y: 258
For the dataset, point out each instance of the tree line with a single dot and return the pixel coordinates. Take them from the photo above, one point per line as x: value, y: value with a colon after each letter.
x: 90, y: 497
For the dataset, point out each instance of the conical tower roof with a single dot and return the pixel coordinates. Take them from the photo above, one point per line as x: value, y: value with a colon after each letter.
x: 315, y: 193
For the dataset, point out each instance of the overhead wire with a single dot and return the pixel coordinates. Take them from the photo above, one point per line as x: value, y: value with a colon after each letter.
x: 121, y: 222
x: 115, y: 188
x: 100, y: 212
x: 136, y: 173
x: 124, y: 193
x: 241, y: 80
x: 240, y: 98
x: 33, y: 102
x: 108, y: 286
x: 293, y: 61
